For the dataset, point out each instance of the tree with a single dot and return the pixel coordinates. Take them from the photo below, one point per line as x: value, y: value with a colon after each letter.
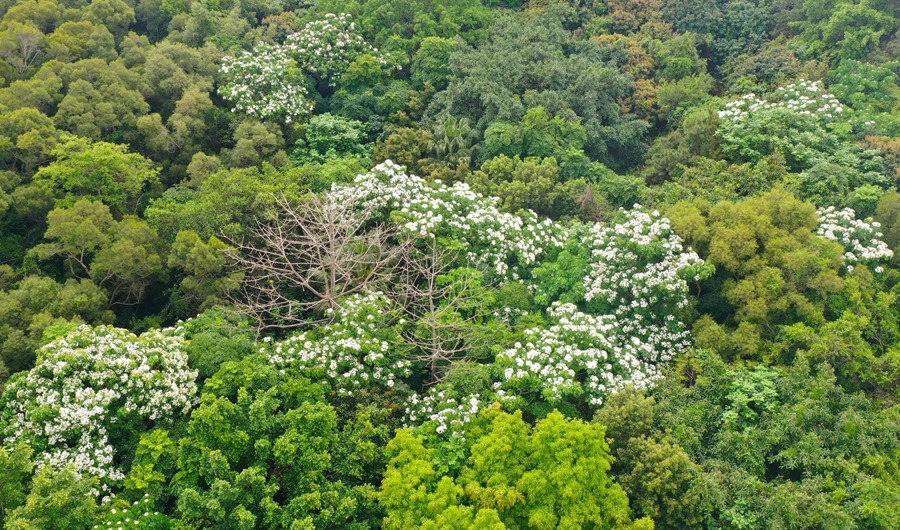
x: 91, y: 395
x: 206, y: 281
x: 661, y: 480
x: 407, y: 147
x: 531, y: 183
x: 454, y: 142
x: 34, y: 304
x: 327, y: 136
x: 629, y: 16
x: 537, y: 135
x: 216, y: 336
x: 310, y: 256
x: 771, y: 269
x: 888, y: 214
x: 526, y: 65
x: 31, y: 136
x: 123, y: 256
x: 59, y: 500
x: 266, y: 83
x: 447, y: 306
x: 116, y: 15
x: 266, y: 451
x: 431, y: 62
x: 81, y: 40
x: 700, y: 17
x: 15, y: 470
x: 21, y: 45
x: 845, y: 29
x: 775, y: 446
x: 98, y: 171
x: 100, y: 100
x: 551, y: 476
x: 255, y: 142
x: 325, y: 48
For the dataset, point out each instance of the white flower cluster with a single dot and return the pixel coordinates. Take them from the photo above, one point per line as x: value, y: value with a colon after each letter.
x: 325, y: 48
x: 265, y: 83
x: 638, y: 278
x: 90, y: 384
x: 498, y: 241
x: 639, y: 267
x: 268, y: 81
x: 442, y: 410
x: 355, y: 351
x: 582, y: 356
x: 861, y: 239
x: 804, y: 97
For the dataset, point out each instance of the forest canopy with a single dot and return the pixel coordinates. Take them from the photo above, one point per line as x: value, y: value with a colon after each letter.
x: 449, y: 264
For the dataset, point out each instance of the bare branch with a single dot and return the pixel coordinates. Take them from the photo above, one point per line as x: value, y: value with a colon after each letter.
x: 444, y: 310
x: 310, y: 256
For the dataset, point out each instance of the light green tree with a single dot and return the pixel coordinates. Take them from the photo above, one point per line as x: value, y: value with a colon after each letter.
x: 554, y: 475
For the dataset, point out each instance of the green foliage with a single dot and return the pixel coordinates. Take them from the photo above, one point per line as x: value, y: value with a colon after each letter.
x: 783, y: 448
x: 533, y: 183
x: 866, y: 86
x: 430, y: 64
x: 515, y: 476
x: 845, y: 29
x: 217, y: 336
x: 888, y: 214
x: 771, y: 270
x: 15, y: 472
x: 36, y: 303
x: 401, y: 26
x: 526, y: 65
x: 141, y: 140
x: 222, y: 205
x: 537, y: 135
x: 121, y: 256
x: 206, y: 281
x: 57, y: 501
x: 327, y: 136
x: 253, y: 419
x: 98, y: 171
x: 154, y: 463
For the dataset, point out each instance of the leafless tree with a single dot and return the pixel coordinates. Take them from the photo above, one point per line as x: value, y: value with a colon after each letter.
x: 311, y: 255
x: 21, y: 45
x: 444, y: 303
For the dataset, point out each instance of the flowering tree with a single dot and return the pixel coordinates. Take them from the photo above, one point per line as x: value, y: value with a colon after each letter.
x: 793, y: 120
x: 325, y: 48
x: 861, y: 239
x: 809, y: 128
x: 490, y: 238
x: 619, y: 323
x: 266, y: 83
x: 583, y: 357
x: 805, y: 97
x: 636, y: 284
x: 443, y: 410
x: 639, y: 270
x: 92, y: 391
x: 357, y: 350
x: 269, y: 82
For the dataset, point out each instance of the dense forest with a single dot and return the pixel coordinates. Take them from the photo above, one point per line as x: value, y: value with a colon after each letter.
x: 449, y: 264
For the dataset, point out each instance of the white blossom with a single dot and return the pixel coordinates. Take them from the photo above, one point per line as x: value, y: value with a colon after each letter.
x: 86, y: 383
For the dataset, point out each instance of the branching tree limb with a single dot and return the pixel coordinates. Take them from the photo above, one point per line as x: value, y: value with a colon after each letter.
x: 310, y: 256
x: 445, y: 303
